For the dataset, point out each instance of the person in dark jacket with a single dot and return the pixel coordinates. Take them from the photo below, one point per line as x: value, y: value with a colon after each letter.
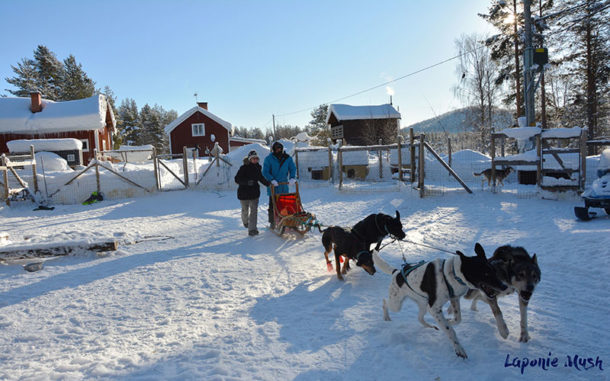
x: 278, y: 168
x: 248, y: 176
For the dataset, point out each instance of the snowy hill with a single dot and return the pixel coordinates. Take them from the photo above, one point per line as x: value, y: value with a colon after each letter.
x: 458, y: 121
x: 189, y: 296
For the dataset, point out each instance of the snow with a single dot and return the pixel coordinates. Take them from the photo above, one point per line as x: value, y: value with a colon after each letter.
x: 51, y: 162
x: 23, y: 145
x: 348, y: 112
x: 560, y: 133
x: 77, y: 115
x: 521, y: 133
x: 604, y: 160
x: 189, y: 295
x: 355, y: 157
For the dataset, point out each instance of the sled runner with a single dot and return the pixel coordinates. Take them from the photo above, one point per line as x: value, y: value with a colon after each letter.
x: 288, y: 213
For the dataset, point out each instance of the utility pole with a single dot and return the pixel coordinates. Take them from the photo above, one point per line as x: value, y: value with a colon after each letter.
x: 528, y: 61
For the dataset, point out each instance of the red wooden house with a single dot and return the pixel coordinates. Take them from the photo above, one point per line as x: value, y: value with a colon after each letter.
x: 89, y: 120
x: 198, y: 128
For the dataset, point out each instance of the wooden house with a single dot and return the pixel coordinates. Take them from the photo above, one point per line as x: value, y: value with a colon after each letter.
x: 363, y: 125
x: 198, y: 128
x: 89, y: 120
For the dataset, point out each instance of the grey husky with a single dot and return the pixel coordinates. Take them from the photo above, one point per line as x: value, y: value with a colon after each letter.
x: 520, y: 272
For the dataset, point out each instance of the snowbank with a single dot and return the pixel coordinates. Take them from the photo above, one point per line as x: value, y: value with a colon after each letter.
x: 51, y: 162
x: 132, y: 157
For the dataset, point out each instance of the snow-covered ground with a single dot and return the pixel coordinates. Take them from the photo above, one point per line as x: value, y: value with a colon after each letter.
x: 190, y: 296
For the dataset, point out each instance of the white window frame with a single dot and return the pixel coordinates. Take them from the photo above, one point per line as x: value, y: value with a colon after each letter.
x: 195, y: 126
x: 85, y: 145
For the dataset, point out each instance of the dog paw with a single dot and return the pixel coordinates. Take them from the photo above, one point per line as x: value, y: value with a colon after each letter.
x: 524, y: 337
x: 329, y: 266
x: 460, y: 352
x: 503, y: 329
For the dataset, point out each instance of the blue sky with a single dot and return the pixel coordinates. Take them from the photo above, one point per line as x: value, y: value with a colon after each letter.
x: 252, y: 59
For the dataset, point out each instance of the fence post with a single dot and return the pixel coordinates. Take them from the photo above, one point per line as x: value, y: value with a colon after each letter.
x: 412, y: 149
x: 399, y: 138
x: 449, y: 150
x: 156, y: 169
x: 380, y: 153
x: 583, y: 159
x: 185, y: 164
x: 492, y: 152
x: 97, y: 170
x: 330, y: 161
x: 340, y: 158
x: 34, y: 175
x: 422, y: 172
x: 5, y: 178
x: 217, y: 154
x: 539, y: 164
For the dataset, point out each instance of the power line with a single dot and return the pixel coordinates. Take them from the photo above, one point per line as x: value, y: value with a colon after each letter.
x: 380, y: 85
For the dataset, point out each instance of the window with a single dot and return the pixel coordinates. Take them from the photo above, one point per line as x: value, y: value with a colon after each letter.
x: 198, y: 129
x: 85, y: 145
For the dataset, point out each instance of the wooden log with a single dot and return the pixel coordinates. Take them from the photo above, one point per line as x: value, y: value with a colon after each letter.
x: 422, y: 171
x: 156, y: 169
x: 185, y: 167
x: 340, y: 158
x: 34, y: 174
x: 46, y: 250
x: 412, y: 152
x: 399, y: 158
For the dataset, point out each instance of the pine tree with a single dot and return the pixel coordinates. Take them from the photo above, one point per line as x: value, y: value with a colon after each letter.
x: 506, y: 48
x: 26, y: 79
x: 50, y: 73
x: 588, y: 59
x: 76, y: 84
x: 128, y: 122
x: 317, y: 128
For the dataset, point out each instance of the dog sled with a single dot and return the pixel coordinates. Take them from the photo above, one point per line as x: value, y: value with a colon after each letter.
x: 288, y: 213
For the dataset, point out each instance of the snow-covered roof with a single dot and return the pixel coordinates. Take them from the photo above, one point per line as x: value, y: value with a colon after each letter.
x: 246, y: 140
x: 77, y: 115
x: 521, y: 133
x: 170, y: 127
x: 347, y: 112
x: 573, y: 132
x: 23, y: 145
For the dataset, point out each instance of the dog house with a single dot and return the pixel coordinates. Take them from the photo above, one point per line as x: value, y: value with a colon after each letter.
x: 69, y: 149
x: 314, y: 164
x: 355, y: 164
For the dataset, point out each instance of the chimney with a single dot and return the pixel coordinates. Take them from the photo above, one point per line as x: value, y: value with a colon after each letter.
x: 36, y: 99
x: 203, y: 105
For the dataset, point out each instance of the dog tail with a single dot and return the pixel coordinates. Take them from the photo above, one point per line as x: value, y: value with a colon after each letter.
x: 477, y: 174
x: 381, y: 264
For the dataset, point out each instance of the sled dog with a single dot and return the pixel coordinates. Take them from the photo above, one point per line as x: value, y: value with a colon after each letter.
x: 434, y: 283
x: 501, y: 174
x: 520, y: 272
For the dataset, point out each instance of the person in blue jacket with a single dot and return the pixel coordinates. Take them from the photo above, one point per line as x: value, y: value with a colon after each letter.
x: 278, y: 168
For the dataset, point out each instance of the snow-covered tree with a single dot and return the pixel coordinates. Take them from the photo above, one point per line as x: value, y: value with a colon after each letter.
x: 25, y: 79
x: 76, y: 84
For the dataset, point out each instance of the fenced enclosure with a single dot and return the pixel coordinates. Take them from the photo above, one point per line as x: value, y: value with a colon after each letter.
x: 411, y: 165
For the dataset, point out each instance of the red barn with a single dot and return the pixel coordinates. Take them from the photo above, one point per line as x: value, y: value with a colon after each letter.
x: 89, y: 120
x: 198, y: 128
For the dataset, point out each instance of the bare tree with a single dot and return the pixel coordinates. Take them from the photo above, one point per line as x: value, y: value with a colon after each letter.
x: 477, y: 88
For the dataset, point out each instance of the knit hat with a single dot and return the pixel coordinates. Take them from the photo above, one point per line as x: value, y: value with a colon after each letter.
x: 252, y: 154
x: 277, y: 145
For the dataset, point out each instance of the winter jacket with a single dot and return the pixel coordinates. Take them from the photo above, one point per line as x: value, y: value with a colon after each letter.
x: 248, y: 176
x: 279, y: 169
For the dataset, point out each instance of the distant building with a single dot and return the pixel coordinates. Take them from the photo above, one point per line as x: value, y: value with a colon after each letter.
x: 198, y: 128
x: 363, y: 125
x: 90, y: 120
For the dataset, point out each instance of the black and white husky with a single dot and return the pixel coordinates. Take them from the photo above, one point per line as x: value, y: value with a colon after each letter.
x: 434, y: 283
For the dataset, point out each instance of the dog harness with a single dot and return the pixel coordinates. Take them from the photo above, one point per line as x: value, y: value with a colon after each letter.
x: 449, y: 288
x: 405, y: 271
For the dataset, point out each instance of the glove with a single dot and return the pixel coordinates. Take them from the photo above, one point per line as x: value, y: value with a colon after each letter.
x: 274, y: 183
x: 251, y: 182
x: 292, y: 181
